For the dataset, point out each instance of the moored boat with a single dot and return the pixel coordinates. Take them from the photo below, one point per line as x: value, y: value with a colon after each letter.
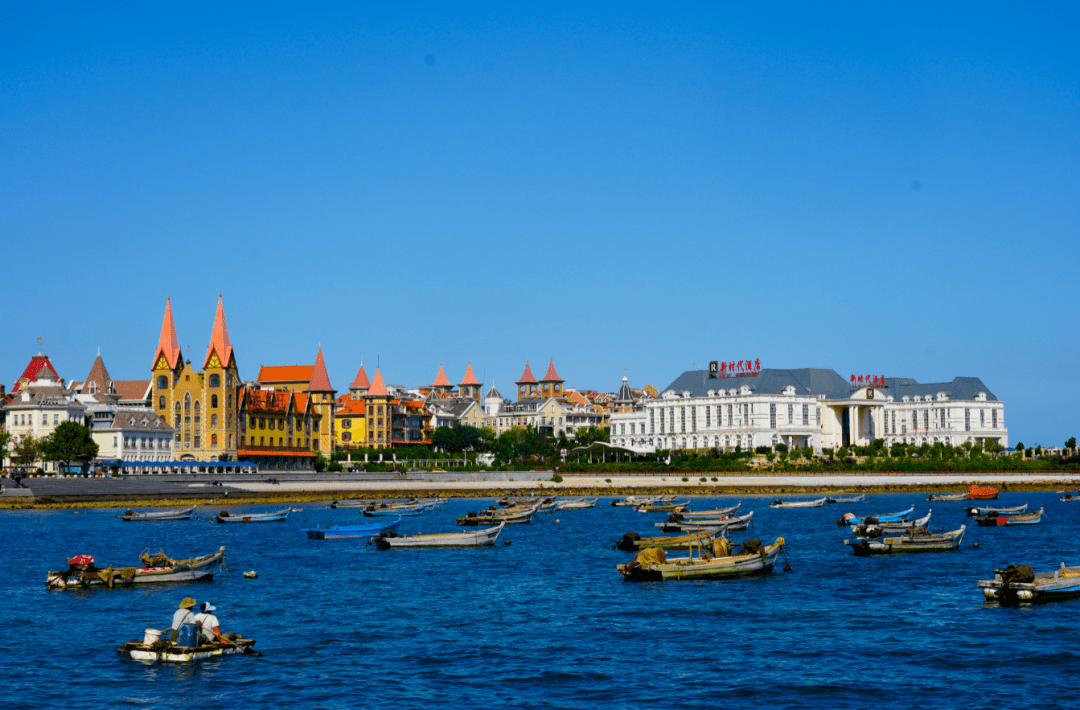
x: 576, y: 504
x: 929, y: 542
x: 1069, y: 498
x: 883, y: 518
x: 901, y: 528
x: 973, y: 511
x: 341, y: 532
x: 351, y: 503
x: 947, y: 496
x: 1020, y: 583
x: 635, y: 501
x: 652, y: 564
x: 276, y: 516
x: 982, y: 493
x: 82, y: 572
x: 663, y: 507
x: 632, y: 542
x: 716, y: 513
x: 1002, y: 520
x: 510, y: 516
x: 130, y: 516
x: 850, y: 499
x: 418, y: 508
x: 473, y: 538
x: 727, y: 522
x: 778, y: 503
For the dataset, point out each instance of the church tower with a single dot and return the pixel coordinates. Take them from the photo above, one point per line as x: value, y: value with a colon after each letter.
x: 221, y: 382
x: 526, y: 386
x: 551, y: 384
x: 470, y: 386
x: 322, y: 399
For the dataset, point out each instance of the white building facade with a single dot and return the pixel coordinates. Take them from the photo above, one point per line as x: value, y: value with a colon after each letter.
x: 809, y: 407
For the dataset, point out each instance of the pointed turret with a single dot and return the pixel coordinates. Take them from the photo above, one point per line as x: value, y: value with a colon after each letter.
x: 360, y: 383
x: 378, y: 388
x: 492, y: 401
x: 469, y: 385
x: 526, y: 386
x: 320, y: 380
x: 219, y: 339
x: 98, y: 381
x: 441, y: 381
x: 551, y: 384
x: 168, y: 344
x: 527, y: 376
x: 470, y: 377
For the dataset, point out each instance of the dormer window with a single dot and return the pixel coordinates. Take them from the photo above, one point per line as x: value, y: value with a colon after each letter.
x: 906, y: 399
x: 711, y: 393
x: 789, y: 390
x: 93, y: 388
x: 980, y: 397
x: 942, y: 397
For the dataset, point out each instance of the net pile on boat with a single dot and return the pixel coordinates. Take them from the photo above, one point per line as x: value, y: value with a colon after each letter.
x: 1024, y: 574
x: 158, y: 559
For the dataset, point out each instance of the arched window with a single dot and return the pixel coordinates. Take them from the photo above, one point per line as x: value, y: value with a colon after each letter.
x: 213, y: 400
x: 161, y: 402
x: 162, y: 382
x: 196, y: 406
x: 213, y: 441
x: 213, y: 422
x: 187, y: 401
x: 215, y: 380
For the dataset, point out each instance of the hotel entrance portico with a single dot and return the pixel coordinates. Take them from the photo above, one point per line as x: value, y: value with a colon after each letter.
x: 855, y: 421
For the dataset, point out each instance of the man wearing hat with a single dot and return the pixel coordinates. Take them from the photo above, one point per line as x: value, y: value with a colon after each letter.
x: 183, y: 615
x: 206, y: 620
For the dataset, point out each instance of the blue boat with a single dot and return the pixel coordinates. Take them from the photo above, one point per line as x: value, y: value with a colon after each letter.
x: 338, y: 532
x: 902, y: 516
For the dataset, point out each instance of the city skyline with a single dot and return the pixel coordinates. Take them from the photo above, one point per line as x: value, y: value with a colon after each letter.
x: 622, y: 187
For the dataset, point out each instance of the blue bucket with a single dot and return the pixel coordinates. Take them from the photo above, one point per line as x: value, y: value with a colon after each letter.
x: 187, y: 636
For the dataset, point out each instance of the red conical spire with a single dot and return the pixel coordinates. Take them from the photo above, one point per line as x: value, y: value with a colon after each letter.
x: 527, y: 376
x: 168, y: 344
x: 219, y: 339
x: 470, y: 377
x: 320, y: 381
x: 440, y: 379
x: 551, y: 375
x: 361, y: 381
x: 378, y: 389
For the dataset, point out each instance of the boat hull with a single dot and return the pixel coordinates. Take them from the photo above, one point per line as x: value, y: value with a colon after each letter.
x: 254, y: 517
x: 800, y: 504
x: 946, y: 542
x: 717, y: 568
x: 1058, y: 585
x: 342, y: 532
x: 197, y: 569
x: 479, y: 538
x: 177, y: 654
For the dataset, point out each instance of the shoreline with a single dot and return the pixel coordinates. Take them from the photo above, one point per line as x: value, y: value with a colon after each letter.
x: 255, y: 493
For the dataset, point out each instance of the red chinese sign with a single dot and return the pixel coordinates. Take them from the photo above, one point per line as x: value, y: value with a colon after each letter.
x: 735, y: 368
x: 874, y: 381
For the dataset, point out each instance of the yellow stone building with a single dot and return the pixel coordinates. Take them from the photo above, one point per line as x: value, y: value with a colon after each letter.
x: 202, y: 404
x: 313, y: 381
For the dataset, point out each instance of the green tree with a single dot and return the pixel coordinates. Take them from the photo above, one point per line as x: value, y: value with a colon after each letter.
x: 1070, y: 444
x: 26, y: 451
x: 5, y: 442
x: 70, y: 442
x: 1020, y: 446
x: 320, y: 463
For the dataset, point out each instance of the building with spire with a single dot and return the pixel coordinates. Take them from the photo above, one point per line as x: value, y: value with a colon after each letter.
x: 360, y: 384
x: 379, y: 416
x: 442, y: 386
x: 201, y: 405
x: 527, y: 386
x: 551, y: 385
x: 469, y: 386
x: 313, y: 381
x: 40, y: 402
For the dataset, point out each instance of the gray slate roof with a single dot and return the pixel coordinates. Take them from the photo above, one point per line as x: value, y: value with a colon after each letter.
x: 822, y: 381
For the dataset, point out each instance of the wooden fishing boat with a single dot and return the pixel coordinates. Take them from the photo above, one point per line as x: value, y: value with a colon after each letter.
x: 947, y: 496
x: 797, y: 503
x: 663, y: 507
x: 632, y: 542
x: 986, y: 510
x: 727, y: 522
x: 1069, y: 498
x: 398, y: 509
x: 882, y: 529
x: 943, y: 542
x: 341, y: 532
x: 576, y: 504
x: 275, y: 517
x: 1020, y: 583
x: 169, y: 652
x: 474, y: 538
x: 982, y: 493
x: 510, y: 516
x: 82, y: 572
x: 850, y: 499
x: 130, y: 516
x: 717, y: 513
x: 351, y: 503
x: 635, y: 501
x: 652, y: 564
x: 883, y: 518
x: 999, y: 520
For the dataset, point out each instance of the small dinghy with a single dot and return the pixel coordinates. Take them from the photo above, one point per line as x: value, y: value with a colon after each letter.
x: 653, y: 565
x: 475, y: 538
x: 351, y: 503
x: 883, y: 518
x: 156, y: 647
x: 727, y: 522
x: 130, y: 516
x: 778, y: 503
x: 664, y: 507
x: 974, y: 512
x: 635, y: 501
x: 851, y: 499
x: 510, y: 516
x: 343, y: 532
x: 632, y: 542
x: 947, y: 496
x: 1069, y: 498
x: 944, y: 542
x: 716, y: 513
x: 982, y: 493
x: 275, y: 517
x: 418, y: 508
x: 882, y: 529
x: 576, y: 504
x: 1002, y: 520
x: 1020, y: 583
x: 82, y: 572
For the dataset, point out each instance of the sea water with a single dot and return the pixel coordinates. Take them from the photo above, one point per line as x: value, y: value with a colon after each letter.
x: 544, y: 622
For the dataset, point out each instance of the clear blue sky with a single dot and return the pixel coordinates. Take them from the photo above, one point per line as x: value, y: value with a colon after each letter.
x: 888, y: 190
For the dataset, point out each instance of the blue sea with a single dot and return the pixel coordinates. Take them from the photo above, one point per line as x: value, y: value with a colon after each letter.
x: 544, y: 622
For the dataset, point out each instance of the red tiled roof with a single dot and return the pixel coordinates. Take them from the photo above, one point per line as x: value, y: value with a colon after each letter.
x: 527, y: 376
x: 300, y: 400
x: 320, y: 381
x: 352, y: 407
x: 219, y: 339
x: 275, y: 401
x: 38, y: 364
x: 131, y: 389
x: 285, y: 373
x: 440, y: 379
x: 470, y: 377
x: 551, y: 375
x: 378, y: 389
x: 361, y: 381
x: 267, y: 451
x: 168, y: 345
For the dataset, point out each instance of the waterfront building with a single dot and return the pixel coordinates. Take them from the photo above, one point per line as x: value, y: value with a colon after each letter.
x: 541, y: 404
x: 350, y: 429
x: 315, y: 382
x: 360, y: 384
x: 379, y: 416
x: 809, y: 407
x: 470, y: 387
x: 40, y: 401
x: 202, y: 404
x: 279, y: 429
x: 441, y: 386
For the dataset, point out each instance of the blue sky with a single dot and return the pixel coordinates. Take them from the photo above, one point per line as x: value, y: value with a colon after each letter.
x: 887, y: 190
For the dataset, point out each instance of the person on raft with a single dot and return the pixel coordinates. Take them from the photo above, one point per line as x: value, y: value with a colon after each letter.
x: 209, y: 624
x: 183, y: 615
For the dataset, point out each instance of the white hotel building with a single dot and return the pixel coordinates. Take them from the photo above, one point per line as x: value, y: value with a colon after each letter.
x: 808, y: 407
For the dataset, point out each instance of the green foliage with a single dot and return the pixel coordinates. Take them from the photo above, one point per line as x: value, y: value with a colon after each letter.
x: 590, y: 434
x: 5, y: 442
x: 26, y: 451
x: 781, y: 448
x: 1020, y: 446
x: 556, y: 478
x: 842, y: 452
x: 685, y: 478
x: 320, y: 463
x: 459, y: 438
x: 762, y: 450
x: 70, y: 442
x: 1070, y: 444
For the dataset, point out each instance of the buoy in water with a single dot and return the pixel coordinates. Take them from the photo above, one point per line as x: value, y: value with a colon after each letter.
x: 974, y: 544
x: 251, y: 575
